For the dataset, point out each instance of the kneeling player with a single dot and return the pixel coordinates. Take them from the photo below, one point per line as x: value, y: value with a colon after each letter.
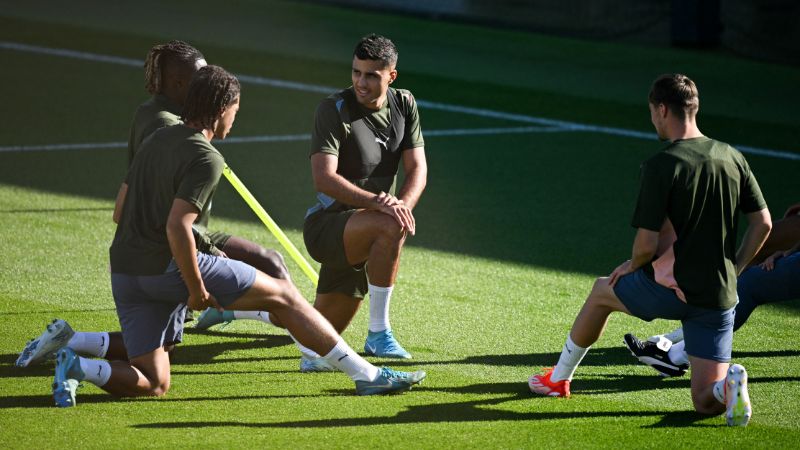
x: 157, y: 272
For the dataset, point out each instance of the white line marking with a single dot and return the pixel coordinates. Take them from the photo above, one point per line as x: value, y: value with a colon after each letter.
x: 273, y: 138
x: 283, y: 84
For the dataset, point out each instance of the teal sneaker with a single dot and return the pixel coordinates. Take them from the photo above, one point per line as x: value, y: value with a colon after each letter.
x: 317, y: 364
x: 390, y: 381
x: 211, y: 317
x: 68, y: 377
x: 383, y: 344
x: 56, y: 335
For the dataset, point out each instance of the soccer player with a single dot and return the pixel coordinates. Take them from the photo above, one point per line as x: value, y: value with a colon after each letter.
x: 777, y: 279
x: 156, y: 271
x: 357, y: 229
x: 168, y: 70
x: 696, y: 185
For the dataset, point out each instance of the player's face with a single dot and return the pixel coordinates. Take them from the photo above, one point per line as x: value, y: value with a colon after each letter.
x: 225, y: 122
x: 371, y: 81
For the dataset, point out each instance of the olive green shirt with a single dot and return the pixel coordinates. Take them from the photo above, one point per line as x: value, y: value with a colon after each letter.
x: 701, y: 185
x: 157, y: 112
x: 174, y: 162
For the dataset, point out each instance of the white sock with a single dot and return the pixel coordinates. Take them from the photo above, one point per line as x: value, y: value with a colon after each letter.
x: 307, y: 352
x: 263, y: 316
x: 90, y: 343
x: 571, y: 356
x: 675, y: 336
x: 677, y: 354
x: 719, y: 391
x: 348, y: 361
x: 97, y: 371
x: 379, y: 298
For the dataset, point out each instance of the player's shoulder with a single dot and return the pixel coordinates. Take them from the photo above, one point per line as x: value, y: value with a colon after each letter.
x: 404, y: 97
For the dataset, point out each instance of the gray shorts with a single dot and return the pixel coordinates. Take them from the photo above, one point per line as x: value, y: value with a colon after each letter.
x: 151, y: 308
x: 708, y: 332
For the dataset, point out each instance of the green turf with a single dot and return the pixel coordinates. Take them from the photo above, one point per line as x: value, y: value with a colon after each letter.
x: 512, y: 231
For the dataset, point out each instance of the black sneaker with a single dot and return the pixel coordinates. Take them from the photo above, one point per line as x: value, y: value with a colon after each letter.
x: 649, y: 353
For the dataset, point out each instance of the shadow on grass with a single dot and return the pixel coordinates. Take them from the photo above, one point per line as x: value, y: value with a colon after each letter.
x: 53, y: 210
x: 471, y: 411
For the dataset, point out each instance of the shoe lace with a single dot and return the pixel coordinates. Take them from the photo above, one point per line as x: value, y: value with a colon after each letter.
x: 395, y: 374
x: 389, y: 343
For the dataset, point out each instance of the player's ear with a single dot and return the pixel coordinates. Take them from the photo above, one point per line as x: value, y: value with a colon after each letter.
x: 392, y: 75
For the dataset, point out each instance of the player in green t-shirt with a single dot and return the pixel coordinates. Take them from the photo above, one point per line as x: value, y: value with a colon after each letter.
x: 695, y: 186
x: 362, y: 135
x: 156, y: 271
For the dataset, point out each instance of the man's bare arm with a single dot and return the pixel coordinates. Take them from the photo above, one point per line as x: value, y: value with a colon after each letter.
x: 120, y: 202
x: 415, y: 168
x: 645, y: 246
x: 759, y: 224
x: 181, y: 242
x: 330, y: 183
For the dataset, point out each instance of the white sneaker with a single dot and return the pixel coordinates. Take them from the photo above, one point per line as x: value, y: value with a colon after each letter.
x: 315, y: 365
x: 737, y: 399
x: 55, y: 336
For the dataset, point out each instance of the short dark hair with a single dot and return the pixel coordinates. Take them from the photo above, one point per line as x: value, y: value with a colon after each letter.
x: 677, y: 92
x: 376, y: 48
x: 174, y: 53
x: 212, y: 89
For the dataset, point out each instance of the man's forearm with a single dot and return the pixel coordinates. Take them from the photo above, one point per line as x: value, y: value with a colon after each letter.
x: 339, y: 188
x: 413, y: 186
x: 182, y: 244
x: 754, y: 238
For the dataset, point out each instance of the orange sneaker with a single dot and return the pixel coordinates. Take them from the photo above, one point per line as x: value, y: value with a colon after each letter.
x: 541, y: 384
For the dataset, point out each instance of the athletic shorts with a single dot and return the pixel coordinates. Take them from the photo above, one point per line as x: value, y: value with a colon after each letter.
x: 219, y: 239
x: 708, y: 332
x: 151, y: 308
x: 323, y: 233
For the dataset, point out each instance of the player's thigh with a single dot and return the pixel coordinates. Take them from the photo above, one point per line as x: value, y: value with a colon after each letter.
x: 266, y: 294
x: 363, y: 229
x: 603, y: 295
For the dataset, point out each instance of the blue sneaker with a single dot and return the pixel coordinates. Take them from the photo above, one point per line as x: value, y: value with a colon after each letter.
x: 68, y: 377
x: 56, y: 335
x: 383, y: 344
x: 211, y: 317
x: 390, y: 381
x: 317, y: 364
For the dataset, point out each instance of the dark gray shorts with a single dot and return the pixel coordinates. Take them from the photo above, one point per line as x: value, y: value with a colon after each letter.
x: 151, y: 308
x: 323, y: 233
x: 708, y: 332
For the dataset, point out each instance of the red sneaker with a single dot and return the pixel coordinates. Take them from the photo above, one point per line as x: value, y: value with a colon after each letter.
x: 541, y: 384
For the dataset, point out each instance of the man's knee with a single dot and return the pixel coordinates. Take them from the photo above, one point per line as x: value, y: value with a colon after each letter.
x: 273, y: 262
x: 602, y: 294
x: 704, y: 405
x: 390, y: 230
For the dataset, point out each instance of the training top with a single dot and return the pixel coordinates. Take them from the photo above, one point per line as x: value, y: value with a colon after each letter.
x: 174, y: 162
x: 157, y: 112
x: 368, y: 143
x: 700, y: 185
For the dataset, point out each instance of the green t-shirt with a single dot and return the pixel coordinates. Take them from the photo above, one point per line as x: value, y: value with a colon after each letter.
x: 367, y: 142
x: 157, y: 112
x: 175, y: 162
x: 701, y: 185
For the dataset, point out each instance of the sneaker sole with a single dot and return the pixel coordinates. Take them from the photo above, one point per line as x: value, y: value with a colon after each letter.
x: 655, y: 363
x: 63, y: 387
x: 56, y: 336
x: 739, y: 409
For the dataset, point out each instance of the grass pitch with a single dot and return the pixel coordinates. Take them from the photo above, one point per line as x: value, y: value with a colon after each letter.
x: 513, y: 228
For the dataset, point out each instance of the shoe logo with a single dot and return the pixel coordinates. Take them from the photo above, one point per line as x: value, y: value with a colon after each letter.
x: 343, y: 357
x: 371, y: 348
x: 386, y: 385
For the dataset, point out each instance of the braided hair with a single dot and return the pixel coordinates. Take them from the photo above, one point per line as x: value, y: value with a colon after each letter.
x: 212, y: 89
x: 172, y: 54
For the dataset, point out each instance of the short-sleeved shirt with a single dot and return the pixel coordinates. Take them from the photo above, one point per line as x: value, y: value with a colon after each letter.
x: 369, y: 162
x: 157, y: 112
x: 700, y: 185
x: 174, y: 162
